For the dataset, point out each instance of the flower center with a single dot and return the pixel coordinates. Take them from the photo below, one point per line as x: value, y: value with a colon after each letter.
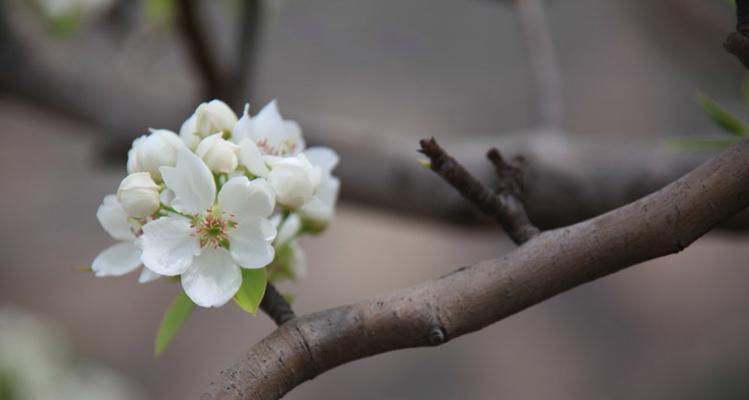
x: 283, y: 148
x: 213, y: 227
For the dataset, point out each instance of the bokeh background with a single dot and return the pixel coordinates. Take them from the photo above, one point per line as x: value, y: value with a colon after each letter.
x: 672, y: 328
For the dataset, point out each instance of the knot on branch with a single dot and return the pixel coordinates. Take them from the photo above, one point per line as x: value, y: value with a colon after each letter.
x: 504, y: 205
x: 436, y: 336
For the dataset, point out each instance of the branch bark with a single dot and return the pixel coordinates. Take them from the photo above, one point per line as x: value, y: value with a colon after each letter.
x: 503, y: 206
x: 276, y: 306
x: 200, y: 49
x: 473, y: 297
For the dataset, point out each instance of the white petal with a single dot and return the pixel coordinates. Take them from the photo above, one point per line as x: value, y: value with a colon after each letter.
x: 169, y: 245
x: 213, y: 278
x: 187, y: 132
x: 322, y: 206
x: 117, y: 260
x: 323, y: 157
x: 114, y: 220
x: 146, y: 275
x: 251, y: 243
x: 242, y: 129
x: 250, y: 157
x: 298, y: 260
x: 192, y: 183
x: 247, y: 199
x: 288, y: 230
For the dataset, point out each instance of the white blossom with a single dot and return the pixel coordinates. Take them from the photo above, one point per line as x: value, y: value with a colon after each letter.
x: 221, y: 156
x: 212, y: 235
x: 209, y: 118
x: 149, y: 152
x: 318, y: 212
x: 125, y: 256
x: 271, y: 134
x: 139, y: 195
x: 294, y: 180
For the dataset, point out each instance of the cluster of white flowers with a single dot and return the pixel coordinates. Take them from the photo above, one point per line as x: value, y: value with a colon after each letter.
x: 224, y: 194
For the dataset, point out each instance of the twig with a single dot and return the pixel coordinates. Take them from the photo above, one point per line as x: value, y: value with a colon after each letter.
x: 504, y: 206
x: 276, y: 306
x: 737, y: 43
x: 474, y: 297
x: 546, y: 80
x: 199, y: 48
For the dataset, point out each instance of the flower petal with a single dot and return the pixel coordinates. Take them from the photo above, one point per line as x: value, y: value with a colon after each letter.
x: 169, y: 245
x: 114, y: 220
x: 322, y: 206
x: 247, y: 199
x: 323, y: 157
x: 187, y: 132
x: 251, y: 243
x: 288, y: 230
x: 250, y: 157
x: 212, y: 279
x: 192, y: 183
x: 146, y: 275
x: 117, y: 260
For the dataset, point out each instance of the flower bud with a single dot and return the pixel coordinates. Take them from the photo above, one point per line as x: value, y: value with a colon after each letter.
x: 294, y: 180
x: 214, y: 117
x: 221, y: 156
x: 156, y: 150
x: 139, y: 195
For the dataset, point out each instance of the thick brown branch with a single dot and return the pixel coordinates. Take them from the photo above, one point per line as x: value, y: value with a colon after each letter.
x: 473, y: 297
x: 504, y: 206
x: 276, y: 306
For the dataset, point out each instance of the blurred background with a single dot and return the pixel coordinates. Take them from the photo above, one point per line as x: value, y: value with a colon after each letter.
x: 561, y: 82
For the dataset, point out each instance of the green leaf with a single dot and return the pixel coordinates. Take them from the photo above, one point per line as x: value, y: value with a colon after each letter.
x: 251, y: 292
x: 700, y: 144
x: 722, y: 117
x: 81, y: 269
x: 175, y: 315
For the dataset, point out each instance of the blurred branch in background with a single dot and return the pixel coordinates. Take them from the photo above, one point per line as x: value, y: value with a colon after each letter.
x: 546, y: 79
x: 604, y: 173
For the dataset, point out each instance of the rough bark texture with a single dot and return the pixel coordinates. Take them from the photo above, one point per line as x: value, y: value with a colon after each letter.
x: 473, y: 297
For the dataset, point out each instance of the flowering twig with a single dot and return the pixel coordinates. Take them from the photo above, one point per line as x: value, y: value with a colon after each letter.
x: 276, y: 306
x: 504, y: 206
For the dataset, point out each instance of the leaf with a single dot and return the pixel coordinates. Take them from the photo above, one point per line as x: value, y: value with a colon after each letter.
x: 81, y: 269
x: 722, y: 117
x: 700, y: 144
x: 251, y: 292
x: 175, y: 315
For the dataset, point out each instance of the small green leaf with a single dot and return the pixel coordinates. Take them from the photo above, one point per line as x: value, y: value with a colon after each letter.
x: 251, y: 292
x: 700, y: 144
x: 175, y: 315
x: 424, y: 163
x: 83, y: 269
x: 722, y: 117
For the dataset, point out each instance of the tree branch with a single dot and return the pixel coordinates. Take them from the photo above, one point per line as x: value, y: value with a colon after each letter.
x: 200, y: 49
x: 737, y: 43
x: 546, y: 80
x: 504, y: 206
x: 473, y: 297
x: 276, y: 306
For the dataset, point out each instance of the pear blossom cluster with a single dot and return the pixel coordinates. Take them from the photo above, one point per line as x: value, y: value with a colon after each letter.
x: 225, y: 194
